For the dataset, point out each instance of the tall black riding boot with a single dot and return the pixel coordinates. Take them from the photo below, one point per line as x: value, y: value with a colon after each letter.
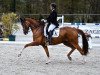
x: 50, y: 37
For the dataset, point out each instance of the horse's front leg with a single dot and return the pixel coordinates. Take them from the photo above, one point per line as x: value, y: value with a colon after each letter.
x: 27, y: 45
x: 31, y: 44
x: 47, y: 53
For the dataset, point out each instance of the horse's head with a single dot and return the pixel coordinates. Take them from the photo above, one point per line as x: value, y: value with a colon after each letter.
x: 30, y: 23
x: 25, y: 24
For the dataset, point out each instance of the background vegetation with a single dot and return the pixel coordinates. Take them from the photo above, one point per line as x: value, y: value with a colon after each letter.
x: 74, y: 10
x: 9, y: 24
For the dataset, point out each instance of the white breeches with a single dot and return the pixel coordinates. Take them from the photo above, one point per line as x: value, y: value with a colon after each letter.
x: 51, y: 27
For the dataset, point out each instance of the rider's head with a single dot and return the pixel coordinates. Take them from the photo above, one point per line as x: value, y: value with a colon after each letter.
x: 53, y: 6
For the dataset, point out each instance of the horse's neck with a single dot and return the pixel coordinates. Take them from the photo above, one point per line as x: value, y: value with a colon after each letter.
x: 38, y: 28
x: 37, y: 31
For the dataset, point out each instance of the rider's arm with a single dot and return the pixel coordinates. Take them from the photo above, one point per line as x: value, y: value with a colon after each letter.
x: 52, y: 17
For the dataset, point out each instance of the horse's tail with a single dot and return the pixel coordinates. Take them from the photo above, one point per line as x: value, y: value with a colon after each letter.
x: 84, y: 42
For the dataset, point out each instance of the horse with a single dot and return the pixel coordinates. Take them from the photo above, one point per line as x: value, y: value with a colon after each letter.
x: 67, y: 35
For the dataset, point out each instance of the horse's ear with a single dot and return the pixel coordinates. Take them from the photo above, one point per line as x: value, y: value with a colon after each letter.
x: 22, y: 19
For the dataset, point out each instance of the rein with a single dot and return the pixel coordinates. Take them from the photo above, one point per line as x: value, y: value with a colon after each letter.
x: 33, y: 27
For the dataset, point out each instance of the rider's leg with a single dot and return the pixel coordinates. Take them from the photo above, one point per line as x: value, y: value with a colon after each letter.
x: 47, y: 29
x: 50, y: 30
x: 50, y: 36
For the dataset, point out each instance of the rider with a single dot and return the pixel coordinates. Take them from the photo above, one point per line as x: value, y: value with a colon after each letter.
x: 52, y: 21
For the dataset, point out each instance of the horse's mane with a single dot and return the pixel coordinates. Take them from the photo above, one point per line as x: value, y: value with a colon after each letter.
x: 41, y: 23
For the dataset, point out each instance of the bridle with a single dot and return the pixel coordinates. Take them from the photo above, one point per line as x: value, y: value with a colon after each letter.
x: 29, y: 24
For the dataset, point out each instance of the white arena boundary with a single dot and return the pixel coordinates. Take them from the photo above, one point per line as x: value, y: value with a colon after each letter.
x: 23, y: 43
x: 91, y: 28
x: 13, y: 42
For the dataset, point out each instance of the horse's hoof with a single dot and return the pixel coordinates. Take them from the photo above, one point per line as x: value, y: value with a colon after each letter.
x: 70, y: 58
x: 83, y: 62
x: 47, y: 62
x: 19, y: 55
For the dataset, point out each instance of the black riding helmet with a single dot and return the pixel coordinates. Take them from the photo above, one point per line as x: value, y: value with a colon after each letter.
x: 53, y: 5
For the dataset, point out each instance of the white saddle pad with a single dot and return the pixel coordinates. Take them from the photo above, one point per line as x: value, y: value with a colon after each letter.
x: 55, y: 32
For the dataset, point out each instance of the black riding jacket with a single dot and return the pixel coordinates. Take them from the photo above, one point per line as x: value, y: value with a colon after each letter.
x: 53, y: 18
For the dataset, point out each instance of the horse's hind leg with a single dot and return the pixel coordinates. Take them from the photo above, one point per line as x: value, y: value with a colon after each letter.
x: 72, y: 49
x: 68, y: 55
x: 79, y: 49
x: 81, y: 52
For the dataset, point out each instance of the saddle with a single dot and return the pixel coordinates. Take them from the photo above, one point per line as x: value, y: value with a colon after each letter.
x: 55, y: 32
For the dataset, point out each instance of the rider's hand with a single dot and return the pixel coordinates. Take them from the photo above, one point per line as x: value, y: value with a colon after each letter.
x: 43, y: 20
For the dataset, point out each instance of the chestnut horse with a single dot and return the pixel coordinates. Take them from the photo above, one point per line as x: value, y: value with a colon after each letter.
x: 68, y: 36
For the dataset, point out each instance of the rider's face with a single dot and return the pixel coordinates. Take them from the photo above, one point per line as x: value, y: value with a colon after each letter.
x: 51, y: 7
